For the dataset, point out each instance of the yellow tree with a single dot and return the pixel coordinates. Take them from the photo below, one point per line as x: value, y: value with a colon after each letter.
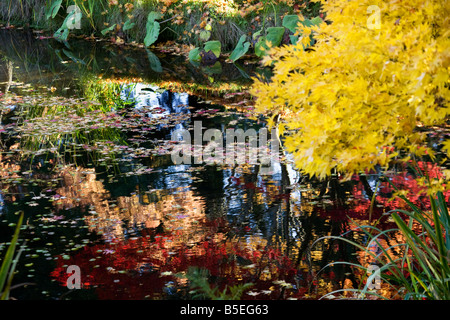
x: 355, y: 99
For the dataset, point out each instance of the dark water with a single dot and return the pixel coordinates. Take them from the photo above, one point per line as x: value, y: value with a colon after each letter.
x: 107, y: 197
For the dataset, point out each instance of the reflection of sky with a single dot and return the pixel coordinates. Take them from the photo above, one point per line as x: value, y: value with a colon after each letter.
x: 149, y: 96
x: 1, y: 203
x: 235, y: 199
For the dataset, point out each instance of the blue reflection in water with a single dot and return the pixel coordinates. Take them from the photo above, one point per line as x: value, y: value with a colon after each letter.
x: 2, y: 203
x: 159, y: 102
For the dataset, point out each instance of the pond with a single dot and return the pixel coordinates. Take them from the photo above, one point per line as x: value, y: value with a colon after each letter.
x: 88, y: 133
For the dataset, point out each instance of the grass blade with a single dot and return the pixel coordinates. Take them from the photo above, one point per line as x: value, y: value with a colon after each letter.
x: 8, y: 260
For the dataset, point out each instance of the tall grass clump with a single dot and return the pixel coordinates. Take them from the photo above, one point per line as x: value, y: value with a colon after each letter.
x: 412, y: 258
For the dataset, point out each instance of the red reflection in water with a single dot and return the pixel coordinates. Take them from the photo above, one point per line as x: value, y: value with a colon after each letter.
x: 358, y: 207
x: 145, y: 267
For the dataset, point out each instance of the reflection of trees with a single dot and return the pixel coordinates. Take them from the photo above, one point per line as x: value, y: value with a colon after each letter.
x: 9, y: 72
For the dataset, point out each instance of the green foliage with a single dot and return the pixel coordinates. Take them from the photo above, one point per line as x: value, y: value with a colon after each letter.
x: 201, y: 288
x: 128, y: 25
x: 292, y: 22
x: 106, y: 30
x: 152, y: 28
x: 273, y: 38
x: 155, y: 64
x: 194, y: 55
x: 9, y: 263
x: 241, y: 48
x: 53, y: 8
x: 418, y: 268
x: 205, y: 35
x: 213, y: 46
x: 63, y: 32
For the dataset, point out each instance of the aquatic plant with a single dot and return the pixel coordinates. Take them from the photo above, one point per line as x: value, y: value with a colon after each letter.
x: 9, y: 263
x: 200, y: 287
x: 410, y: 260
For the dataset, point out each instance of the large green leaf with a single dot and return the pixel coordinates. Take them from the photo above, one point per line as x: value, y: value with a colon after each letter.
x: 275, y: 35
x: 152, y: 27
x: 260, y: 46
x: 152, y: 33
x: 241, y: 48
x: 214, y: 46
x: 316, y: 21
x: 194, y: 55
x: 272, y: 39
x: 53, y: 9
x: 291, y: 22
x: 152, y: 16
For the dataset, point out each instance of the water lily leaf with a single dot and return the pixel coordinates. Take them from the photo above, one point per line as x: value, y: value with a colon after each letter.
x: 53, y: 9
x: 214, y: 46
x: 241, y: 48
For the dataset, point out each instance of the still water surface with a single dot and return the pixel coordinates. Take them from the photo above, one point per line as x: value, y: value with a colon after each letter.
x: 100, y: 191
